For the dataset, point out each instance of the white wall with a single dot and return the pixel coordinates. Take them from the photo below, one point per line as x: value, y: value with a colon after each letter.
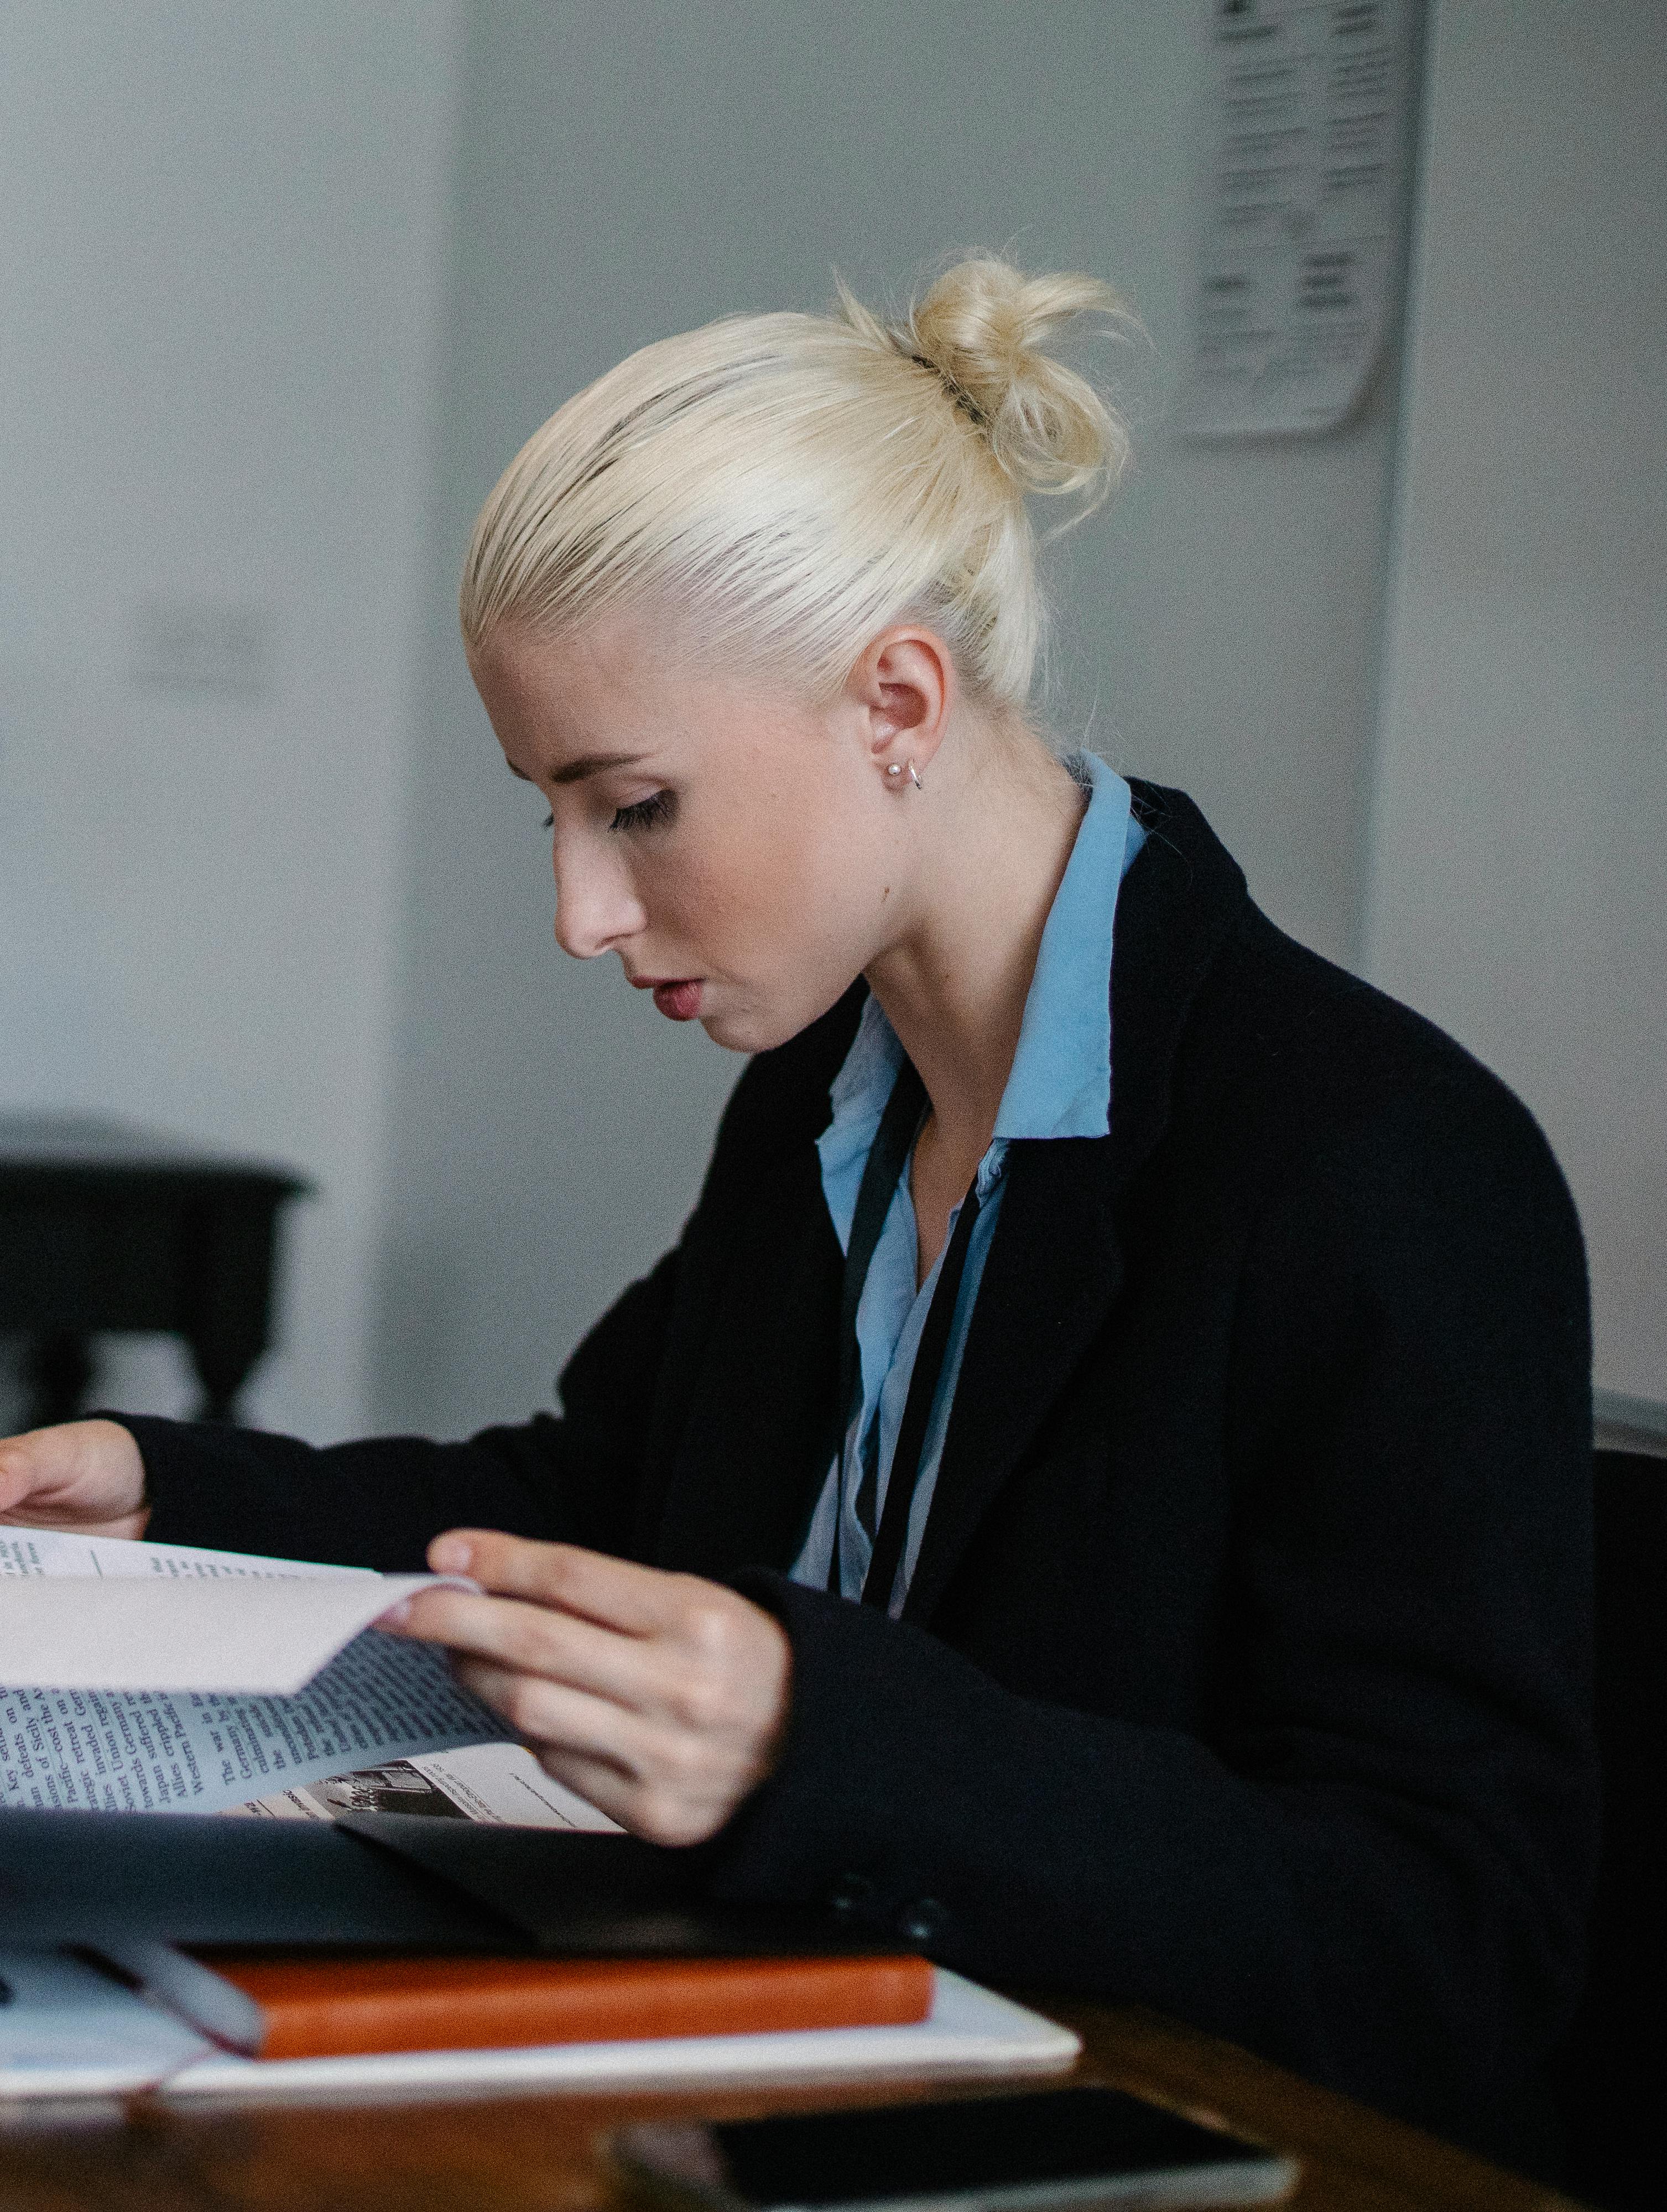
x: 222, y: 379
x: 220, y: 280
x: 627, y: 172
x: 1519, y: 873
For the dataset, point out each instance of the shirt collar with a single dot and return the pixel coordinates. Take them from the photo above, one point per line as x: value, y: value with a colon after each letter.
x: 1059, y: 1084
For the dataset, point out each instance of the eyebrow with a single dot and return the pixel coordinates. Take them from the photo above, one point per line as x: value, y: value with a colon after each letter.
x: 588, y: 765
x: 592, y: 764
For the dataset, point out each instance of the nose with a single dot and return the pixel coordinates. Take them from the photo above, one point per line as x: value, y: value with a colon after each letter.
x: 596, y: 908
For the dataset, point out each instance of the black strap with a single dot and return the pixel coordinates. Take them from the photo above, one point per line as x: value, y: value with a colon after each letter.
x: 892, y: 1139
x: 898, y: 1126
x: 923, y: 1389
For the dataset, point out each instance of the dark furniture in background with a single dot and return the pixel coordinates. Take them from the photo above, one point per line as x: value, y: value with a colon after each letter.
x: 104, y: 1227
x: 1614, y: 2067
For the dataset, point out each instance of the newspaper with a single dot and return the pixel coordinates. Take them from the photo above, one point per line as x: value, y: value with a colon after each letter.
x: 496, y: 1781
x: 381, y: 1721
x: 92, y: 1613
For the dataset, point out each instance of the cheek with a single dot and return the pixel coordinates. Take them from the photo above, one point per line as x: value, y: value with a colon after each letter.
x: 762, y: 893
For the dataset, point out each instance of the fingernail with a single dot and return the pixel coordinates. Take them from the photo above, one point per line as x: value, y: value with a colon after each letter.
x: 450, y: 1555
x: 395, y: 1613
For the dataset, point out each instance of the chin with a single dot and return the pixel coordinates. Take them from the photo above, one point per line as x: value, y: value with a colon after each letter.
x: 748, y: 1031
x: 757, y: 1027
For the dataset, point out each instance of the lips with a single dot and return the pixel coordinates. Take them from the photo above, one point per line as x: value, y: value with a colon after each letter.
x: 678, y: 998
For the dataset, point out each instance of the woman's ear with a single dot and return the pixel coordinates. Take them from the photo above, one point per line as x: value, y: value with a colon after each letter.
x: 903, y: 685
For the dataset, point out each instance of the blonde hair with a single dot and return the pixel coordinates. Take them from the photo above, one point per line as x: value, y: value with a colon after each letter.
x: 793, y: 483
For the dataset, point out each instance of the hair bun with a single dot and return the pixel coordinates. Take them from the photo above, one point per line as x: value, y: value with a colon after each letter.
x: 983, y: 326
x: 792, y: 483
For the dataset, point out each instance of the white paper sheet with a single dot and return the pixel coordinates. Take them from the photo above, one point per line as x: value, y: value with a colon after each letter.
x: 218, y: 1637
x: 1303, y: 139
x: 28, y: 1553
x: 190, y: 1681
x: 67, y: 2030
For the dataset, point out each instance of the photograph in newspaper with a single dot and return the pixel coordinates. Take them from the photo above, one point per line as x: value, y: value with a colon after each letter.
x: 494, y: 1781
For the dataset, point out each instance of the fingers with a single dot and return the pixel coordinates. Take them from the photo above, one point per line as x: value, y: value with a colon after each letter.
x: 660, y: 1697
x: 550, y: 1715
x: 716, y: 1664
x: 15, y: 1483
x: 537, y: 1640
x: 33, y: 1465
x: 86, y: 1475
x: 657, y: 1780
x: 635, y: 1600
x: 601, y: 1785
x: 657, y: 1816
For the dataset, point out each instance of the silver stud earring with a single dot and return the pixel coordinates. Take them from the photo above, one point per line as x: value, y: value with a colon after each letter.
x: 894, y: 770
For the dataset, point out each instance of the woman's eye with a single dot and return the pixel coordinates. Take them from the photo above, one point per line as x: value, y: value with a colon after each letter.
x: 648, y: 814
x: 549, y: 822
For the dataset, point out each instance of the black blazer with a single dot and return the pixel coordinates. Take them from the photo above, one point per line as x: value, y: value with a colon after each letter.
x: 1246, y: 1668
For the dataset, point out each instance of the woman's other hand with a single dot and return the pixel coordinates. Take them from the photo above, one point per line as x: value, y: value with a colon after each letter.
x: 660, y: 1697
x: 81, y: 1475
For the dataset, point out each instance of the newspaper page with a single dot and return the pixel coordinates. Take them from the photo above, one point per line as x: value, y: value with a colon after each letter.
x: 109, y: 1614
x: 383, y: 1707
x: 63, y: 1551
x: 502, y: 1783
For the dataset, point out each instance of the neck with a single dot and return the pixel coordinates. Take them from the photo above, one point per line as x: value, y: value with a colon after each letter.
x: 990, y: 856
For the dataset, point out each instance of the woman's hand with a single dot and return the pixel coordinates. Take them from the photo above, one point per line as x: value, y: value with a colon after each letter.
x: 86, y: 1476
x: 660, y: 1697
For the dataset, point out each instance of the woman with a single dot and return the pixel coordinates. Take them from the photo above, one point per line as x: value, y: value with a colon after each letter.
x: 1099, y: 1487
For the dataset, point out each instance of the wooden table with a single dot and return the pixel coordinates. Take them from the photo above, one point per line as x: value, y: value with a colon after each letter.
x: 537, y: 2152
x: 103, y: 1227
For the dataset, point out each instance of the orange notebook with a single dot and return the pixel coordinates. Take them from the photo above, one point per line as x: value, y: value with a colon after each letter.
x: 321, y: 2008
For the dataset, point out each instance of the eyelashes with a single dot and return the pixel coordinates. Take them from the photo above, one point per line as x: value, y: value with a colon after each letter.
x: 648, y: 814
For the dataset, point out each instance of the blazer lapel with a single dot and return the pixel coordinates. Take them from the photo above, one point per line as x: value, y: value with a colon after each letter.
x: 1054, y: 1269
x: 1056, y: 1265
x: 748, y: 1411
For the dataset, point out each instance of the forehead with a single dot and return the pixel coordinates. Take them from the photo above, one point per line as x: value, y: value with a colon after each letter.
x: 530, y: 672
x: 555, y: 698
x: 624, y: 684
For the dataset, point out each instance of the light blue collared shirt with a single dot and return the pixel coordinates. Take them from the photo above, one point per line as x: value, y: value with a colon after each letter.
x: 1060, y: 1085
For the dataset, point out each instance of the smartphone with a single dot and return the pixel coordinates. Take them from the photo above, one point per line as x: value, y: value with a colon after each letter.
x: 1065, y: 2148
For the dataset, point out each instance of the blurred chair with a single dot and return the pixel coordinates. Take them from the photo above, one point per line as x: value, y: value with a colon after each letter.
x: 1613, y: 2069
x: 107, y: 1228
